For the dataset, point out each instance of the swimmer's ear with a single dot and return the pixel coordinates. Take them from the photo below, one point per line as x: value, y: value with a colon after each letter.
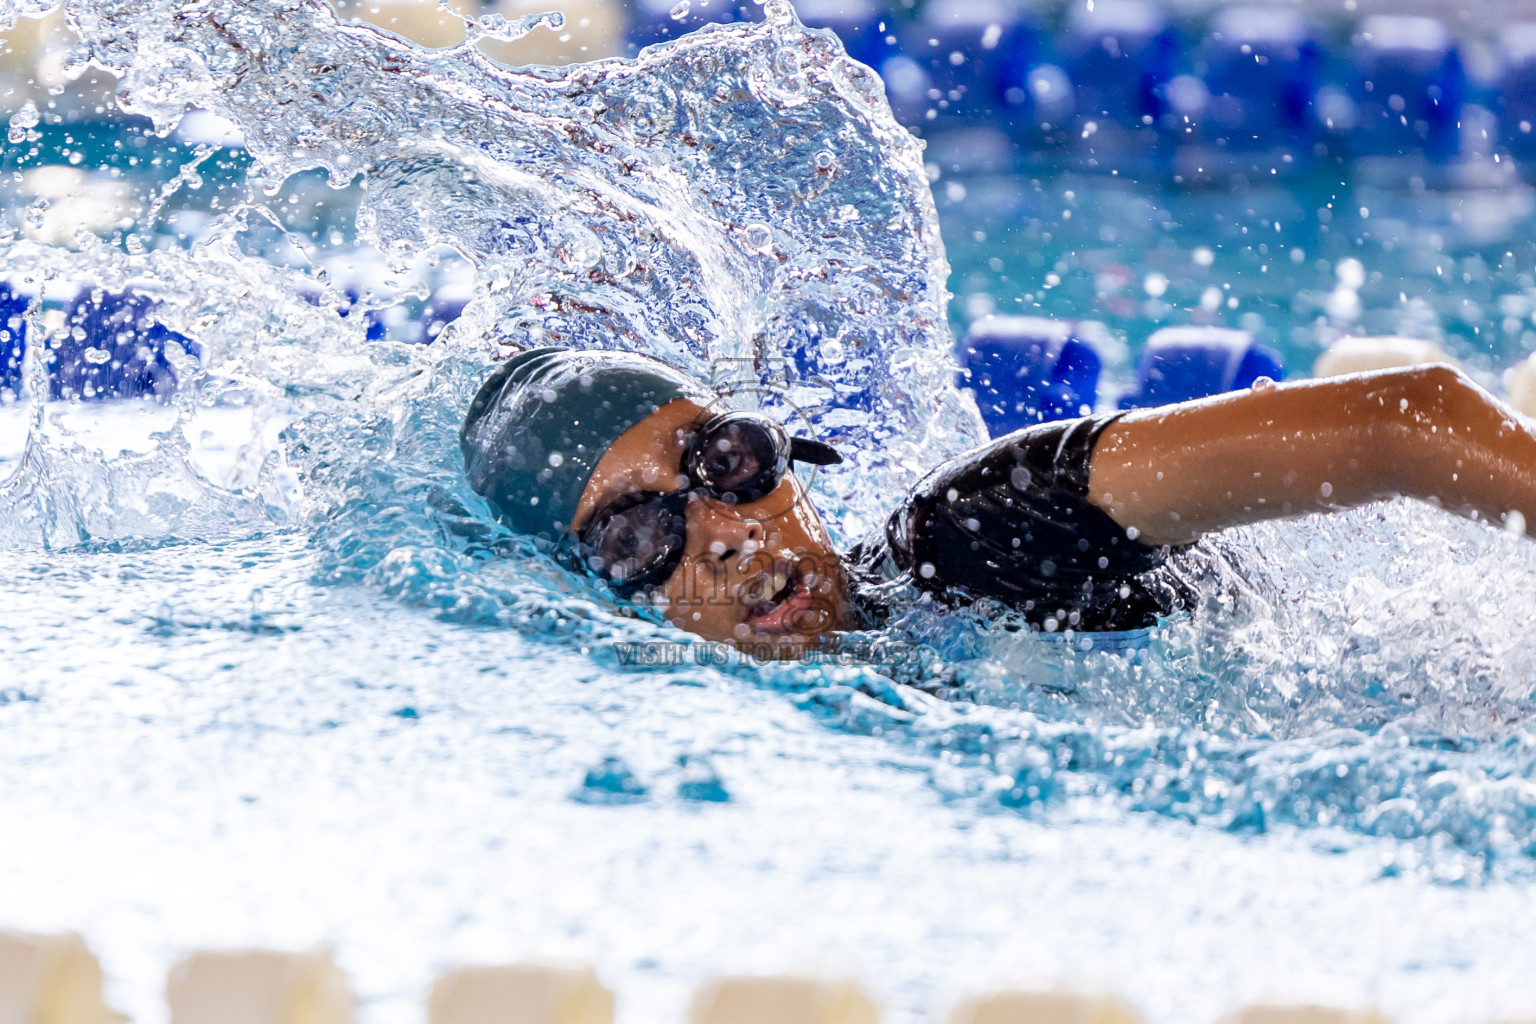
x: 817, y: 453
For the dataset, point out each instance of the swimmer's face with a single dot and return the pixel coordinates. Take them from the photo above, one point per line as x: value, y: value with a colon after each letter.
x: 761, y: 573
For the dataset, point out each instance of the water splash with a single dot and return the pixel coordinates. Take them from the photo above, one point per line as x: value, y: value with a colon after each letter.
x: 1359, y: 695
x: 741, y: 203
x: 732, y: 202
x: 11, y: 10
x: 617, y: 203
x: 510, y: 30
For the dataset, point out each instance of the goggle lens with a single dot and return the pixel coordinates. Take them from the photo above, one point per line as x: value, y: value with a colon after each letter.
x: 637, y: 542
x: 738, y: 457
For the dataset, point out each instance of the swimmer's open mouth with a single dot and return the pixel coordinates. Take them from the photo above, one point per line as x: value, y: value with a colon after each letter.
x: 784, y: 608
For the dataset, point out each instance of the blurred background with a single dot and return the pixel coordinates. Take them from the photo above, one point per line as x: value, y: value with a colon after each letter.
x: 1140, y: 202
x: 1299, y: 173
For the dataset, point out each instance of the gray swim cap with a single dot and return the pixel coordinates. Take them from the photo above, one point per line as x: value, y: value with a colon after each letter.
x: 541, y: 422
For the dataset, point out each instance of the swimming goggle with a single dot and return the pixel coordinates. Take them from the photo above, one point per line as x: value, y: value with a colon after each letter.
x: 637, y: 541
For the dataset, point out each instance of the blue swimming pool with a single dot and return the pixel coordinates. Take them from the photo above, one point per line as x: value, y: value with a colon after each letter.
x: 273, y: 676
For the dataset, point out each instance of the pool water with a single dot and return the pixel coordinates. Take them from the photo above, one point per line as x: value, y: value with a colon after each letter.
x: 273, y: 676
x: 1299, y: 265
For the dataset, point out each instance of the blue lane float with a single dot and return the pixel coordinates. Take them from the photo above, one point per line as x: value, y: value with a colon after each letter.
x: 114, y: 347
x: 963, y: 62
x: 416, y: 323
x: 1183, y: 363
x: 1261, y: 83
x: 374, y: 326
x: 13, y: 337
x: 1263, y: 68
x: 1028, y: 370
x: 1408, y: 87
x: 409, y: 321
x: 353, y: 285
x: 1119, y: 54
x: 1517, y: 89
x: 446, y: 305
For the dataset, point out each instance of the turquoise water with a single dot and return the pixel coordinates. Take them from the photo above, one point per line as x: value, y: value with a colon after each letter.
x: 274, y: 676
x: 1299, y: 265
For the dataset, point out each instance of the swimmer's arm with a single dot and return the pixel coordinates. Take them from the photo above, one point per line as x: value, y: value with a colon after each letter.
x: 1177, y: 472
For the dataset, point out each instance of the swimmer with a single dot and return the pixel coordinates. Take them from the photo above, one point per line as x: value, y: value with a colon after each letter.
x: 630, y: 468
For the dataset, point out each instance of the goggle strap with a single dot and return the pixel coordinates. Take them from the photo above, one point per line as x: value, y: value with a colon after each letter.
x: 816, y: 453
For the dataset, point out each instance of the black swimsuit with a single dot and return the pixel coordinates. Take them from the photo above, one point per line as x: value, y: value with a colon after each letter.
x: 1011, y: 521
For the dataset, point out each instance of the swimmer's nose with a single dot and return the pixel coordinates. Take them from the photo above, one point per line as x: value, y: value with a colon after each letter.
x: 729, y: 533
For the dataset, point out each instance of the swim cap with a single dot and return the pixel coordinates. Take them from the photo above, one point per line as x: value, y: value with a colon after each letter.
x: 541, y: 422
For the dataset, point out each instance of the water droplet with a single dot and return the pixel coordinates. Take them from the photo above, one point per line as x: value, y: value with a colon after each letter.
x: 758, y: 237
x: 36, y: 212
x: 1351, y: 273
x: 682, y: 10
x: 1265, y: 384
x: 22, y: 121
x: 510, y: 30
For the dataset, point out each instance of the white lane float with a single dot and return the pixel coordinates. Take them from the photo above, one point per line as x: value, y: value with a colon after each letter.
x: 520, y: 994
x: 1304, y: 1013
x: 1044, y: 1008
x: 782, y: 1000
x: 1520, y: 383
x: 1360, y: 355
x: 51, y: 979
x: 258, y: 987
